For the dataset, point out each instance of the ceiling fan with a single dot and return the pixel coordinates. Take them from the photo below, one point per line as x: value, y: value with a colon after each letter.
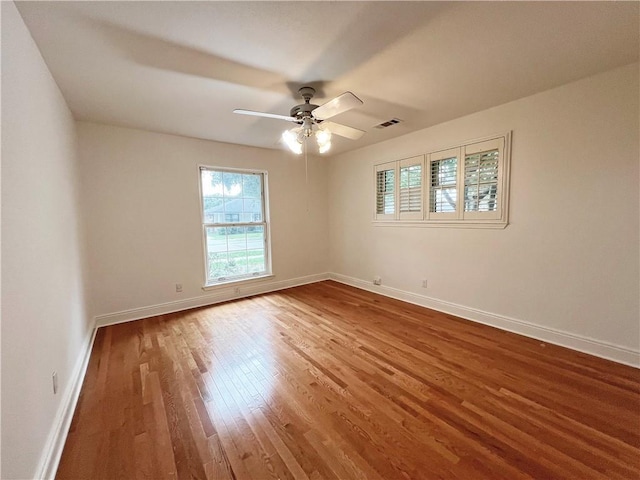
x: 312, y: 120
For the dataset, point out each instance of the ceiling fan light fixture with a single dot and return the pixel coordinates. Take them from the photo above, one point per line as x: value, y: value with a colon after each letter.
x: 324, y: 148
x: 290, y: 138
x: 295, y: 137
x: 323, y: 137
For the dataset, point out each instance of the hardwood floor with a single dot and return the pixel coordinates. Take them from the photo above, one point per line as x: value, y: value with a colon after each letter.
x: 326, y: 381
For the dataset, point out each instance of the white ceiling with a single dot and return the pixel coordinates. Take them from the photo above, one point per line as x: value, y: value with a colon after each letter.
x: 182, y: 67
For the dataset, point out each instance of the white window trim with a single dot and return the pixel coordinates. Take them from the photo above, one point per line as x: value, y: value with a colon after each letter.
x: 460, y: 219
x: 267, y: 230
x: 246, y: 280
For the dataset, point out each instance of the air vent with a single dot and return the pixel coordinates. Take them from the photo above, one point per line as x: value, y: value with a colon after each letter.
x: 389, y: 123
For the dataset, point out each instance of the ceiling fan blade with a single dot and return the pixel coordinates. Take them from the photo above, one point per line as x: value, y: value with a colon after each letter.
x: 340, y: 104
x: 342, y: 130
x: 267, y: 115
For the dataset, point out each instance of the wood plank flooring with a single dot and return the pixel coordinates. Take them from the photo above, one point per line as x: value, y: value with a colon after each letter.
x: 326, y: 381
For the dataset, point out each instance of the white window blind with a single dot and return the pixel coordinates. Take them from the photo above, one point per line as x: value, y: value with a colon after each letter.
x: 485, y: 180
x: 410, y: 192
x: 443, y: 184
x: 386, y: 191
x: 481, y: 181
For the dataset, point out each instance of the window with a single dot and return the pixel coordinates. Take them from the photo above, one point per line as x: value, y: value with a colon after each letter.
x: 234, y: 224
x: 411, y: 188
x: 481, y: 180
x: 443, y: 184
x: 385, y: 191
x: 462, y: 186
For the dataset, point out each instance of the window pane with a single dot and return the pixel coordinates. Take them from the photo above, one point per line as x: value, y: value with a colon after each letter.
x: 481, y: 182
x: 255, y: 237
x: 256, y: 261
x: 236, y: 238
x: 211, y: 195
x: 252, y: 207
x: 231, y: 197
x: 211, y: 183
x: 232, y: 183
x: 232, y: 209
x: 443, y: 185
x: 217, y: 253
x: 234, y: 251
x: 251, y: 186
x: 237, y: 263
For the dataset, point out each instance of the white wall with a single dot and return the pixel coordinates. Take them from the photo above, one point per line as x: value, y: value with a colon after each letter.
x: 568, y: 261
x: 140, y: 192
x: 44, y: 325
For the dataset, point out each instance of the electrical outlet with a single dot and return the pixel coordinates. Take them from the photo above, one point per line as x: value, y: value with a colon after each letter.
x: 377, y: 280
x: 178, y: 287
x: 54, y: 378
x: 424, y: 283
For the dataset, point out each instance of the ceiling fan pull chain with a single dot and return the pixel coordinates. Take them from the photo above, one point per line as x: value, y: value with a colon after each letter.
x: 306, y: 174
x: 306, y: 166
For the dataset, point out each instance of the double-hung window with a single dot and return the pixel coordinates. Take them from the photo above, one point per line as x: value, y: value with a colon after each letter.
x: 462, y: 186
x: 235, y: 224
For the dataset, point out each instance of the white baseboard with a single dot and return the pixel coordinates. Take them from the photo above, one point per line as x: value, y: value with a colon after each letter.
x: 574, y: 341
x: 222, y: 295
x: 580, y: 343
x: 58, y: 434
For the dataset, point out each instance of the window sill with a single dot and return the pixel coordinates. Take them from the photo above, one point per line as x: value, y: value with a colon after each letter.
x: 239, y: 281
x: 495, y: 224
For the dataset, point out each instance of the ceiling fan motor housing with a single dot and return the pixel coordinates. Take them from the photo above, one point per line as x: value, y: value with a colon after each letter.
x: 304, y: 109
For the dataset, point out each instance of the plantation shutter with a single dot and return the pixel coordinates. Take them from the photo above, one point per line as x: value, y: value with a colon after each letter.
x: 410, y: 185
x: 462, y: 186
x: 482, y: 187
x: 443, y: 177
x: 386, y: 191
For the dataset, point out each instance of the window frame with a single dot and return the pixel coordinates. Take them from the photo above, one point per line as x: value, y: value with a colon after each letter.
x: 265, y: 224
x: 498, y: 218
